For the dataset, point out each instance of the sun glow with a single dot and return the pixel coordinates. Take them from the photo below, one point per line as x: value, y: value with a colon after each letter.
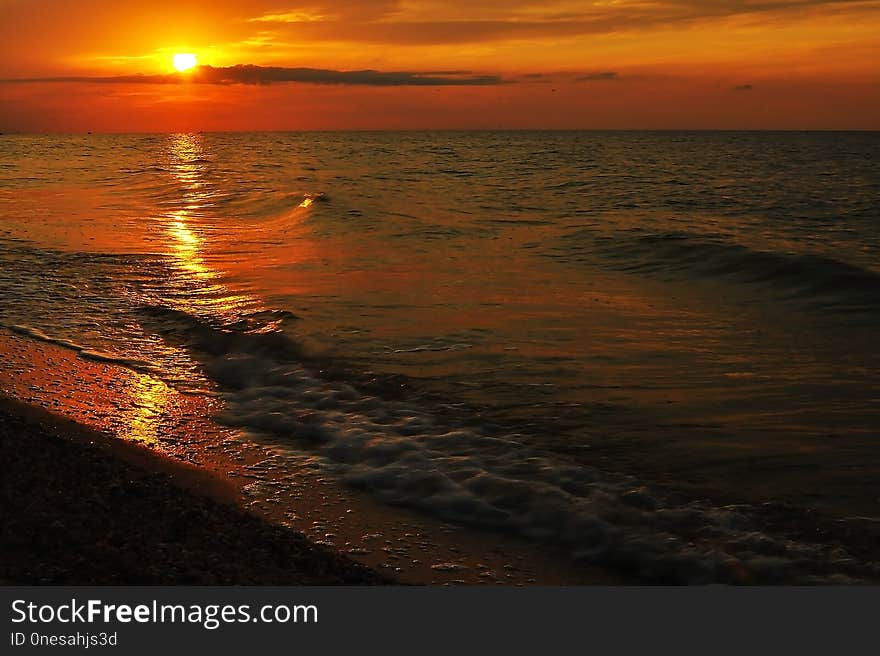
x: 185, y: 61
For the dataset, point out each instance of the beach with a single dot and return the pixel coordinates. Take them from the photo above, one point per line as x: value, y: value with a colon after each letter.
x: 88, y: 503
x: 538, y: 323
x: 82, y: 508
x: 184, y: 456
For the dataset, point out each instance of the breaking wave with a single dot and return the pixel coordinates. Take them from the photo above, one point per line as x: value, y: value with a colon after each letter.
x: 408, y: 456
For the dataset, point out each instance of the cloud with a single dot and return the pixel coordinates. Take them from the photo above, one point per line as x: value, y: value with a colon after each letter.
x: 251, y: 74
x: 568, y: 77
x: 743, y: 87
x: 600, y: 76
x: 457, y: 21
x: 289, y: 17
x: 263, y: 75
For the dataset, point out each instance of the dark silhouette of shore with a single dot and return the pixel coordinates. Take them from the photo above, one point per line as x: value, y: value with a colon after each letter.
x: 78, y: 508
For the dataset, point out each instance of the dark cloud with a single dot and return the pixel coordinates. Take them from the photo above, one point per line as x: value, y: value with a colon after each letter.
x: 600, y: 76
x: 569, y: 77
x: 250, y: 74
x: 743, y: 87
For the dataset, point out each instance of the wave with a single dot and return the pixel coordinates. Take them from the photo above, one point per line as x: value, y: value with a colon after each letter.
x: 817, y: 281
x: 134, y: 364
x: 406, y: 455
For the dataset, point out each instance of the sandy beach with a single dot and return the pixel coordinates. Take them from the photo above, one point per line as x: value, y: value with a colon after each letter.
x: 82, y: 509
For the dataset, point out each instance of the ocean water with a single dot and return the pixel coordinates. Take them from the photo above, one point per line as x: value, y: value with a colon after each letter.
x: 621, y: 343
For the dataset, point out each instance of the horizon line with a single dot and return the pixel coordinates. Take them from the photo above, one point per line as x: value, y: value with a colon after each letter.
x: 13, y: 132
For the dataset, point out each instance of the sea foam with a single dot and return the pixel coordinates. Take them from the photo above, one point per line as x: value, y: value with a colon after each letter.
x: 405, y: 455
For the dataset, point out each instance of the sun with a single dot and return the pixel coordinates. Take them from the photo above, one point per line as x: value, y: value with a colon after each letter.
x: 184, y: 61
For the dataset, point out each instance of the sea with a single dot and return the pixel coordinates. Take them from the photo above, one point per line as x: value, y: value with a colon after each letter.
x: 653, y: 350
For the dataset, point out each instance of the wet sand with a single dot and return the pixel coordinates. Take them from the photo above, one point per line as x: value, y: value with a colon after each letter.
x: 140, y: 422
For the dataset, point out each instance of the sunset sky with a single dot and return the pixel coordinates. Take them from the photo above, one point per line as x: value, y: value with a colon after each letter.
x: 400, y: 64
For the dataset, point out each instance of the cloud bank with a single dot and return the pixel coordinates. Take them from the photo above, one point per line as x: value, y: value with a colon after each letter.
x: 263, y: 75
x: 251, y: 74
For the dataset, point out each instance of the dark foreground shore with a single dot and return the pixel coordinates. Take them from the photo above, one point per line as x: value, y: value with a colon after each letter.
x: 79, y: 509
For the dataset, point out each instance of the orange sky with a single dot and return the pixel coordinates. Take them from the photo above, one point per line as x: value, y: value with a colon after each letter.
x: 107, y: 65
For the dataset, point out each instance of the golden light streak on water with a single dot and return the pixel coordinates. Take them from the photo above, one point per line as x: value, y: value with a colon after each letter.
x: 140, y: 421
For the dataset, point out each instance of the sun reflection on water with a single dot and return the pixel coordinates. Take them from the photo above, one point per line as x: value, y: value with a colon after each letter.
x: 186, y: 247
x: 187, y: 159
x: 192, y: 235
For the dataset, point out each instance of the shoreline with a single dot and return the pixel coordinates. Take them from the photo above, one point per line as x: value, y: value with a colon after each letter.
x: 142, y: 421
x: 101, y: 411
x: 83, y: 508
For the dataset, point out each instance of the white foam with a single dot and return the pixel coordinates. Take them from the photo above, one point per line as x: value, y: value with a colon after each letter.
x: 406, y: 456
